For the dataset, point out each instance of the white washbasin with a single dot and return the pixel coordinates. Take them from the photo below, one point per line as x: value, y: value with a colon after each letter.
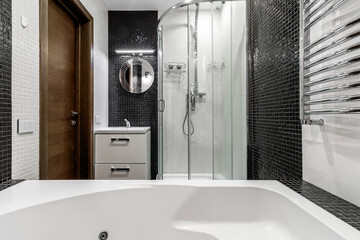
x: 122, y: 130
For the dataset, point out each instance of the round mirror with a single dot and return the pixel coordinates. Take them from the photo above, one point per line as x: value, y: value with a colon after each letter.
x: 136, y: 75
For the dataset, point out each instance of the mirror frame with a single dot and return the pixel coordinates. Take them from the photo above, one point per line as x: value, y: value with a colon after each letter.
x: 133, y: 62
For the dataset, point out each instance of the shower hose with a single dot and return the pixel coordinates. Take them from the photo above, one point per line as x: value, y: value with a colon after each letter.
x: 192, y: 130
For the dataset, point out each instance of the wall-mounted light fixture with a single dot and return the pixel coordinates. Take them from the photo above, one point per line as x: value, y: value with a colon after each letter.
x: 134, y: 52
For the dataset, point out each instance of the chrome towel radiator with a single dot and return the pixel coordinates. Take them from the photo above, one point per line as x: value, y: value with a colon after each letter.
x: 316, y: 67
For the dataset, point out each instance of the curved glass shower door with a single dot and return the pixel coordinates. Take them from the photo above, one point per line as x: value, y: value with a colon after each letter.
x: 202, y: 88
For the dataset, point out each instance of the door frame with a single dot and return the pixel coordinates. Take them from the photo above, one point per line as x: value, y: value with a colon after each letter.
x: 84, y: 87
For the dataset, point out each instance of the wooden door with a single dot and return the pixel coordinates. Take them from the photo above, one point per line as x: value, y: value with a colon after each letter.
x: 61, y: 93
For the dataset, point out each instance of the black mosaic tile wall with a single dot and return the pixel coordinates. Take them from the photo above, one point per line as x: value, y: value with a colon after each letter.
x: 9, y: 183
x: 133, y: 30
x: 5, y: 91
x: 342, y: 209
x: 274, y: 149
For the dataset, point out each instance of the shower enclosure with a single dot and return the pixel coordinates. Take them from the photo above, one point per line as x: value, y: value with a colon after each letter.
x: 202, y: 54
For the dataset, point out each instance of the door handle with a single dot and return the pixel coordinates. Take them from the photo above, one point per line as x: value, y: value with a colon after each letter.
x: 74, y: 118
x: 114, y: 169
x: 161, y: 105
x: 74, y: 115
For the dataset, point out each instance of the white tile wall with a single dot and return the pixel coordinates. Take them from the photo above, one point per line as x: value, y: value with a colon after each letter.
x: 25, y: 88
x: 25, y: 79
x: 331, y: 153
x: 99, y: 12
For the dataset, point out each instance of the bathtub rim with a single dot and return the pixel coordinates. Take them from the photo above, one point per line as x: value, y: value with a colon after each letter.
x: 33, y: 193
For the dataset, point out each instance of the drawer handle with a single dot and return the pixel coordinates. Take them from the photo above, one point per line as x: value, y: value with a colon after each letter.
x: 114, y: 169
x: 113, y: 139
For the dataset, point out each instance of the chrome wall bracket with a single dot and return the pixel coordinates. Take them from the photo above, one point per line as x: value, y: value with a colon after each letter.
x: 312, y: 122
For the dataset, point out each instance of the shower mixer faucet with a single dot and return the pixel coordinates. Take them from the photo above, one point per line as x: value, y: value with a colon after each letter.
x: 128, y: 125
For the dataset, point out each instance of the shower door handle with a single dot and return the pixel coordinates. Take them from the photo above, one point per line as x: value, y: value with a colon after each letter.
x: 161, y: 105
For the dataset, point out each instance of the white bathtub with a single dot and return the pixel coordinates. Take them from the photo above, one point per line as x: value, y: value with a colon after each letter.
x: 206, y: 210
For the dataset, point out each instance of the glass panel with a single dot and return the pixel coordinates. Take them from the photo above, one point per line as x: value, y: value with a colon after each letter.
x: 221, y: 69
x: 175, y: 49
x: 239, y: 86
x: 203, y: 49
x: 201, y: 99
x: 160, y: 98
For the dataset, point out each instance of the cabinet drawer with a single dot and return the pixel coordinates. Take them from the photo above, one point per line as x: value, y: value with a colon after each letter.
x: 121, y: 171
x: 121, y: 148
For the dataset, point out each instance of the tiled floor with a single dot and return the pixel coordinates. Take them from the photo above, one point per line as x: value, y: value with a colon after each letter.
x: 342, y: 209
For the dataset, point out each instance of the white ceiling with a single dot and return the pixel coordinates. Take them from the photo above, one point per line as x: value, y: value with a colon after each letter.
x: 140, y: 4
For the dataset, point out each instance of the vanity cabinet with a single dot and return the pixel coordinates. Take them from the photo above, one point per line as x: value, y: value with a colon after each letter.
x: 122, y: 153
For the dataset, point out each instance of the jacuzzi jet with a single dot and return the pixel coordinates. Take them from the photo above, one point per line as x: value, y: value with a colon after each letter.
x: 103, y: 236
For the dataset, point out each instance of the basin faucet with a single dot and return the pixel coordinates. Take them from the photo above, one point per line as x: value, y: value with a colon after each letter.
x: 127, y: 123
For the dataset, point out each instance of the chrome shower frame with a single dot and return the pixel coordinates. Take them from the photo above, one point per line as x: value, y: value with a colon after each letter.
x: 161, y: 102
